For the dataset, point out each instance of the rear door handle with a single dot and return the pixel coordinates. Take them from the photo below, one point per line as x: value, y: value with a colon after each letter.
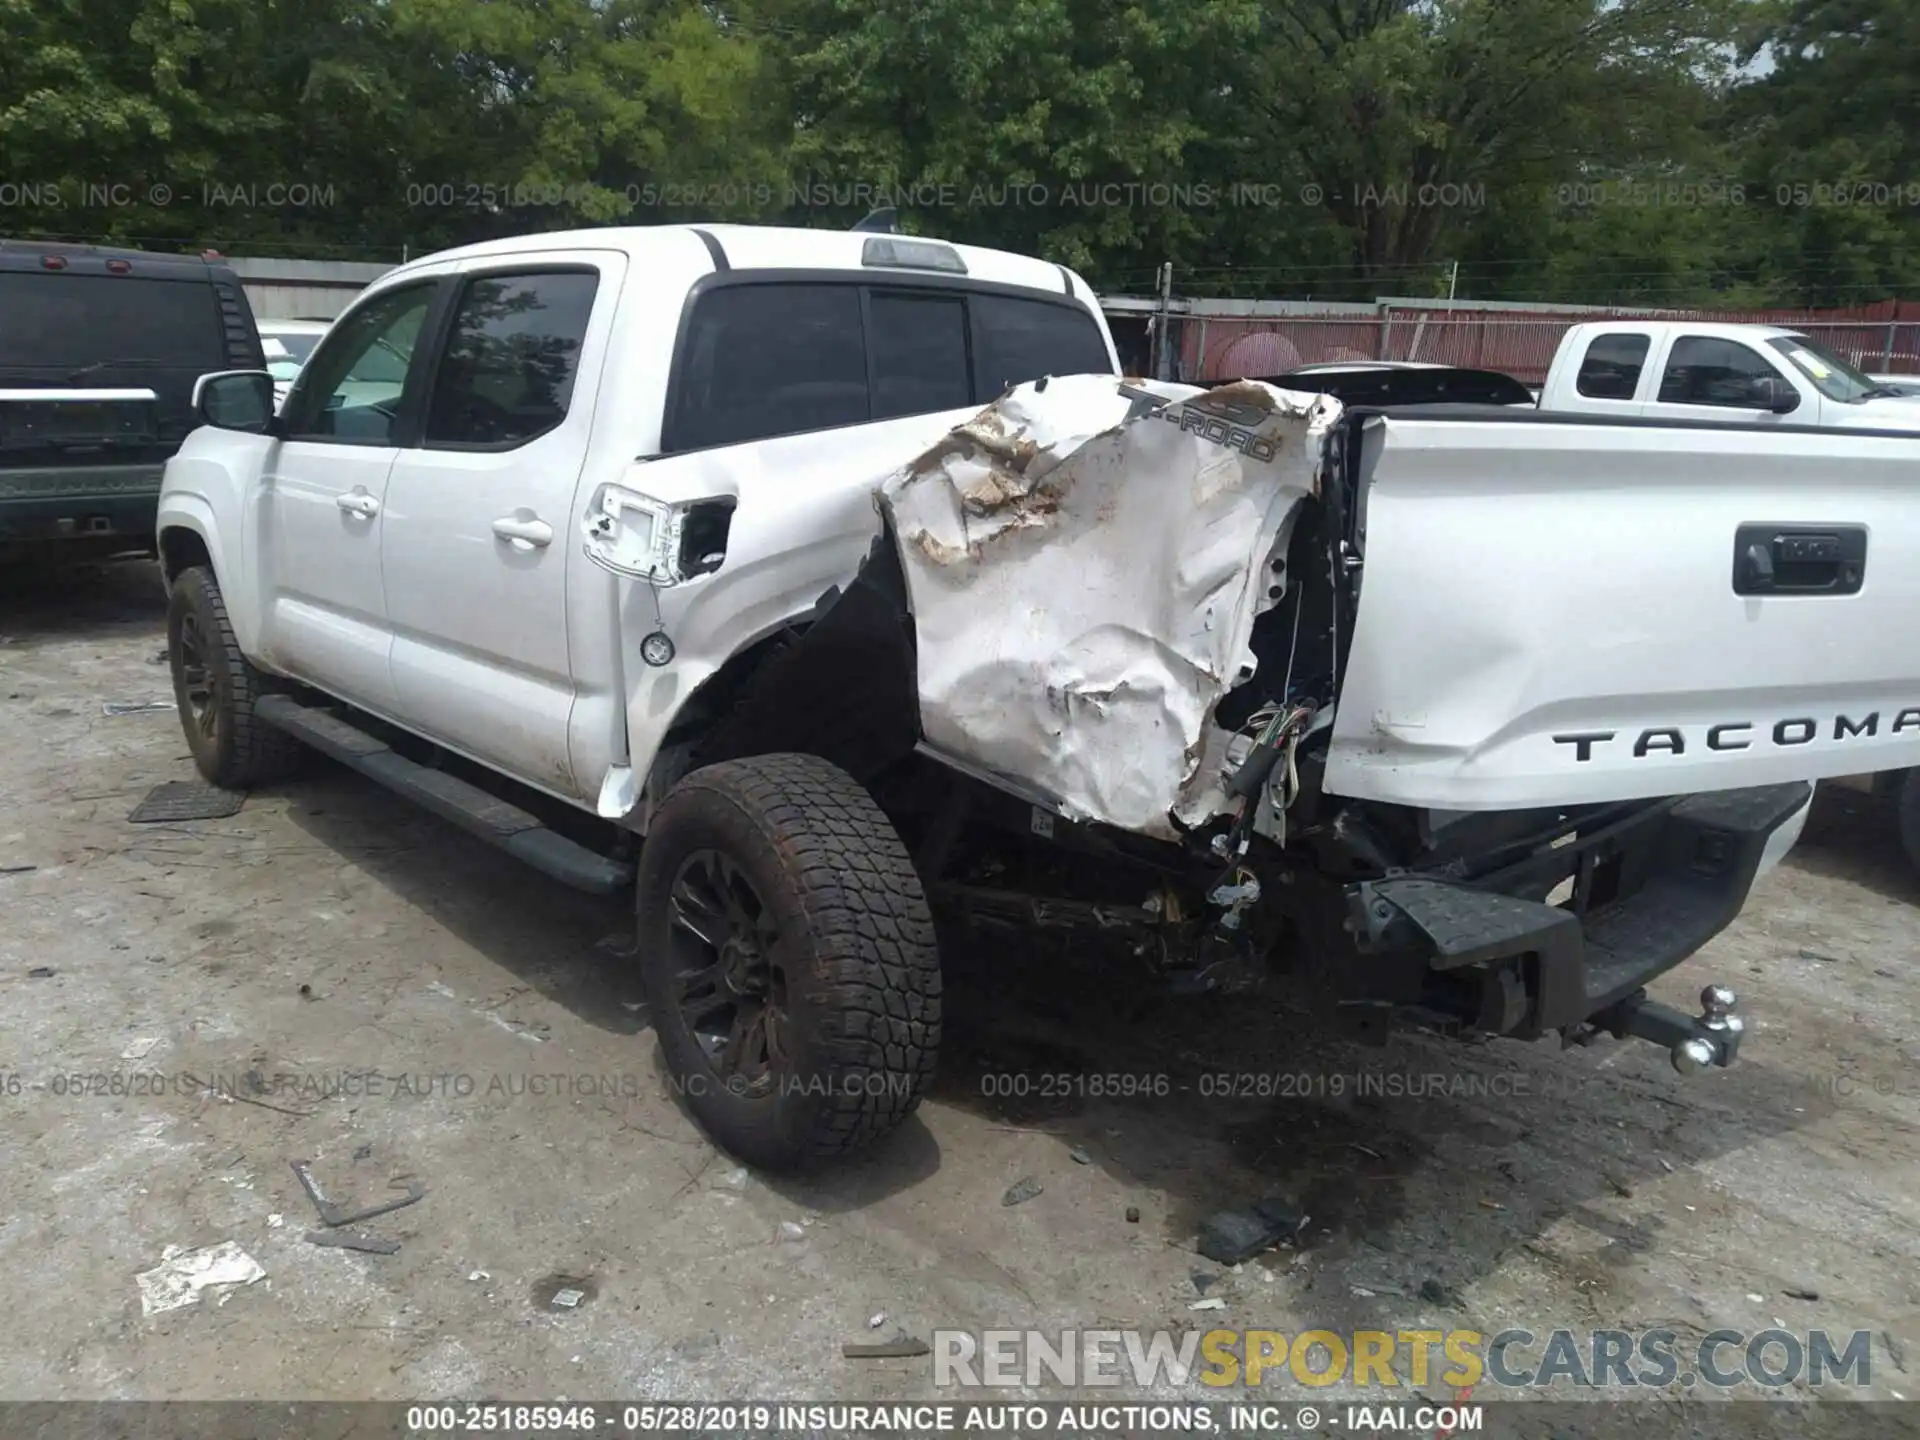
x: 529, y: 534
x: 358, y: 502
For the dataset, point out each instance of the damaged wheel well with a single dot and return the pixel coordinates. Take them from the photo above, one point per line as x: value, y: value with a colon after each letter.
x: 844, y: 688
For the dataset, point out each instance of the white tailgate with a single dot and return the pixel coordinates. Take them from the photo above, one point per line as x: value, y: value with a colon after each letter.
x: 1526, y: 584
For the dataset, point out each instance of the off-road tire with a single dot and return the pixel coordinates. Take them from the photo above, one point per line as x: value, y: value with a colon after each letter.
x: 1908, y: 800
x: 240, y: 751
x: 856, y: 948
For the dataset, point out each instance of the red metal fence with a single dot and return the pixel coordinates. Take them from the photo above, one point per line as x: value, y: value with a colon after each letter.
x: 1882, y: 338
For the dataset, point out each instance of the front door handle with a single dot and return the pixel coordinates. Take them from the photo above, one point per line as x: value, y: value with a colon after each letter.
x: 525, y: 533
x: 358, y: 502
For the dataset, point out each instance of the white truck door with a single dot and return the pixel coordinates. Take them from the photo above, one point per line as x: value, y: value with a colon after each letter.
x: 1710, y: 378
x: 479, y: 519
x: 318, y: 512
x: 1555, y: 613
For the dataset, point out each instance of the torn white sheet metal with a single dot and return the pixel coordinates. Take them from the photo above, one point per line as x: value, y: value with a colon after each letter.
x: 182, y: 1274
x: 1085, y: 562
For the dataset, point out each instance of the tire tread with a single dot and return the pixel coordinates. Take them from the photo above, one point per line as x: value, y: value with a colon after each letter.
x: 254, y: 753
x: 874, y: 1006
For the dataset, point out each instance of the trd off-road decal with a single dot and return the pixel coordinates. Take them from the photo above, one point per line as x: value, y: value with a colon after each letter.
x: 1225, y: 422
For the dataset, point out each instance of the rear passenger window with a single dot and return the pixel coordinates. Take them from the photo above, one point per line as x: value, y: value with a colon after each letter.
x: 508, y: 370
x: 1611, y: 369
x: 919, y: 354
x: 766, y: 360
x: 1020, y: 340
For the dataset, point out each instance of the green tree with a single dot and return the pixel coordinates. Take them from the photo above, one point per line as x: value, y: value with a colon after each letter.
x: 1063, y: 127
x: 1832, y: 136
x: 1417, y: 118
x: 374, y: 122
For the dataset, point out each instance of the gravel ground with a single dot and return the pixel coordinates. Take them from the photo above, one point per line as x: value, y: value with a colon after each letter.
x: 328, y: 933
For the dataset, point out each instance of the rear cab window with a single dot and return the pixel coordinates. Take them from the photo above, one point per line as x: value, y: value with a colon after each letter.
x: 1610, y: 370
x: 1018, y: 340
x: 766, y: 357
x: 57, y: 321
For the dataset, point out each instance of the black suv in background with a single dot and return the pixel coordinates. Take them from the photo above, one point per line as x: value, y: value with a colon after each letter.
x: 99, y: 351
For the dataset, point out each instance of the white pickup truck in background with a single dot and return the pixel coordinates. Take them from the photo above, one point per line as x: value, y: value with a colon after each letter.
x: 1696, y: 371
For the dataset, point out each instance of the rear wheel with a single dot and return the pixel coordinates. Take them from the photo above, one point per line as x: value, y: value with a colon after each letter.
x: 788, y: 957
x: 1909, y: 802
x: 216, y: 690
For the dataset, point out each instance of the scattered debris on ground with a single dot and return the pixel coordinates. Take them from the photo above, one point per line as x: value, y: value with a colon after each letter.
x: 182, y: 1275
x: 887, y: 1350
x: 333, y: 1214
x: 353, y: 1240
x: 1230, y: 1236
x: 1021, y: 1191
x: 563, y: 1293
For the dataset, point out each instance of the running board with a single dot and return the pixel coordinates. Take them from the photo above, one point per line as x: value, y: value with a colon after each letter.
x: 474, y: 810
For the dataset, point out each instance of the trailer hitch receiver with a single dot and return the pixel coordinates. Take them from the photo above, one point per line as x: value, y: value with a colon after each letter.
x: 1694, y: 1042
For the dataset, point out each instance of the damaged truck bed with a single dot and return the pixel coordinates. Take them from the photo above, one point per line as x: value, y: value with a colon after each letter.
x: 1459, y: 718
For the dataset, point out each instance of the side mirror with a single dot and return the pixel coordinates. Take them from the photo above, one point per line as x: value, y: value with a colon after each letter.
x: 1776, y: 395
x: 235, y: 400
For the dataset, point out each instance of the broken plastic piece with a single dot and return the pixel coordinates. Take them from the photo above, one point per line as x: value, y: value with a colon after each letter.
x: 332, y: 1213
x: 353, y: 1240
x: 1021, y: 1191
x: 1230, y: 1236
x: 887, y: 1350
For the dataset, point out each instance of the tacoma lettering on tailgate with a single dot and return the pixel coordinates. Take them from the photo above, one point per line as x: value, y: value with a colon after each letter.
x: 1739, y: 734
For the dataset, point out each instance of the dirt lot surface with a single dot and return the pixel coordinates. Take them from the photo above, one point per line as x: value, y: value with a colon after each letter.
x: 396, y: 1003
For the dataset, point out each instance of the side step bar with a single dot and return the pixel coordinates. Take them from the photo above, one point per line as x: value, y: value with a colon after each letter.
x: 494, y: 820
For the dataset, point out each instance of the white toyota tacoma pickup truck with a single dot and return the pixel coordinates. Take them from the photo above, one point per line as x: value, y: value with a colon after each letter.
x: 812, y: 584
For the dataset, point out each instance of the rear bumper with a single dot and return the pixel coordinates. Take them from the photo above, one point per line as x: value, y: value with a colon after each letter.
x: 1648, y: 892
x: 56, y: 503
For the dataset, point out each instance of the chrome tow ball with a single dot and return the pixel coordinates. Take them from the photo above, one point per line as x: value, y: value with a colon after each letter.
x: 1718, y: 1032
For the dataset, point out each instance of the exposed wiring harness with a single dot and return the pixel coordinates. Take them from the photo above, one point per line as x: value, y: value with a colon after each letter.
x: 1278, y: 730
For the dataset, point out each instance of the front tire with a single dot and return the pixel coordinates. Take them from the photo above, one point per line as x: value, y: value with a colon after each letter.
x: 788, y: 957
x: 216, y: 690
